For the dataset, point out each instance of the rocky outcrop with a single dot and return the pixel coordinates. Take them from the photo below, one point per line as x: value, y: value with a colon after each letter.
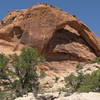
x: 57, y: 35
x: 52, y: 84
x: 87, y: 35
x: 30, y: 96
x: 7, y: 47
x: 53, y: 81
x: 56, y: 96
x: 82, y: 96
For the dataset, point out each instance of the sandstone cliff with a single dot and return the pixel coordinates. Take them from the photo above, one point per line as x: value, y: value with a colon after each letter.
x: 62, y: 38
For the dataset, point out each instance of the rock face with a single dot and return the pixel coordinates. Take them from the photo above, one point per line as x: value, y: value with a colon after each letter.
x: 82, y: 96
x: 50, y: 84
x: 54, y: 96
x: 57, y: 35
x: 30, y: 96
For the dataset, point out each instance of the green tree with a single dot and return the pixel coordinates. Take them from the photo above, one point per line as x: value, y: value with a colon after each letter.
x: 4, y: 80
x: 20, y: 71
x: 26, y: 71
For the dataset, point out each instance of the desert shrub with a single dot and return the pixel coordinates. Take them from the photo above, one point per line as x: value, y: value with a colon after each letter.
x: 7, y: 95
x: 97, y: 60
x: 62, y: 90
x: 91, y: 82
x: 56, y: 79
x: 42, y: 74
x: 84, y: 83
x: 4, y: 79
x: 3, y: 65
x: 79, y: 67
x: 73, y: 82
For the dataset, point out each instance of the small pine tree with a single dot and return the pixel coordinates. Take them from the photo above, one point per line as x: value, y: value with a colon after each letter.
x: 3, y: 70
x: 26, y: 70
x: 20, y: 72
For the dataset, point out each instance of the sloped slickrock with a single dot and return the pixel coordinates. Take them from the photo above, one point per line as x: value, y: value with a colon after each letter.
x: 82, y: 96
x: 30, y: 96
x: 49, y: 82
x: 7, y: 47
x: 55, y: 96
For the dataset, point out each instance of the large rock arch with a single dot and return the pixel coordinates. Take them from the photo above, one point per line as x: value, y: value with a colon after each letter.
x: 40, y: 24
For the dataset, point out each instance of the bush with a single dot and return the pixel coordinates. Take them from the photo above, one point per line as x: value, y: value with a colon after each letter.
x: 4, y: 80
x: 73, y: 82
x: 97, y: 60
x: 79, y: 68
x: 91, y: 83
x: 84, y: 83
x: 42, y: 74
x: 3, y: 65
x: 7, y: 95
x: 56, y: 79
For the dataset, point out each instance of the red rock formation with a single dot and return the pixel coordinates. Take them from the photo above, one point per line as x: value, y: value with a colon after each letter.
x: 58, y: 35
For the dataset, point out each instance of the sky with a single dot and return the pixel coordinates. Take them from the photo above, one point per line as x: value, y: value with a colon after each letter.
x: 87, y: 11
